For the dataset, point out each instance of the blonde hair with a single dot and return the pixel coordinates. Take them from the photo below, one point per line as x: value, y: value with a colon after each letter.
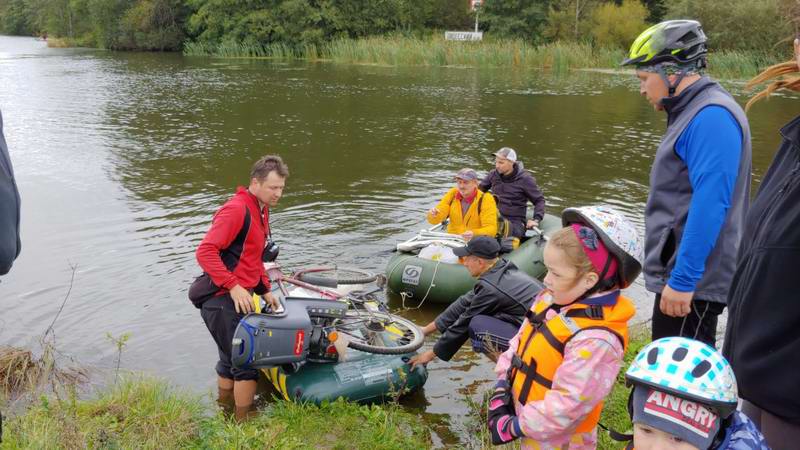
x: 566, y: 241
x: 778, y: 70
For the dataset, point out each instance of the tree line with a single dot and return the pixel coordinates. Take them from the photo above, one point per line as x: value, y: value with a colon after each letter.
x: 165, y: 25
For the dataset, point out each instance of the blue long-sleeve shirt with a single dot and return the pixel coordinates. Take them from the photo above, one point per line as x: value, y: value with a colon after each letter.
x: 711, y: 147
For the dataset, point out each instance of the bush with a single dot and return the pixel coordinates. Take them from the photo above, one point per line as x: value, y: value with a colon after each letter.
x: 609, y: 31
x: 152, y: 25
x: 524, y: 19
x: 560, y: 25
x: 744, y: 25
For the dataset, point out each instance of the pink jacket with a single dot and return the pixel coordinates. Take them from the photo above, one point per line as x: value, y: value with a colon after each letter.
x: 592, y: 361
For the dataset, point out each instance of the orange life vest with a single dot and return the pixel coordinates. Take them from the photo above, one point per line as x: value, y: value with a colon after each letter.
x: 542, y: 342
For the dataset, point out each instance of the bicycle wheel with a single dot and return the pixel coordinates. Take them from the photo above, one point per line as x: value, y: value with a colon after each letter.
x: 380, y: 332
x: 341, y: 275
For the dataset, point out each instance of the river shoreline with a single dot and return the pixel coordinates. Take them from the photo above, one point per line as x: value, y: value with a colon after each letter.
x: 141, y: 411
x: 434, y: 51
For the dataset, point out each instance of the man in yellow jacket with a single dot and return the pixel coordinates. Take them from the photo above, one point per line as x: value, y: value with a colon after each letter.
x: 471, y: 212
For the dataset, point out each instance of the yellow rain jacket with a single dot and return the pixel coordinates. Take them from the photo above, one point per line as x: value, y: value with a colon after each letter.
x: 481, y: 223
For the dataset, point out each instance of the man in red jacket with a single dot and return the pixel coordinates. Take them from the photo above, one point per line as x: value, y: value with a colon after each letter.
x: 231, y: 254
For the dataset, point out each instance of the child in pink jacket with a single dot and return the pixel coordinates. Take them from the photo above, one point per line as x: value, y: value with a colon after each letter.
x: 564, y: 360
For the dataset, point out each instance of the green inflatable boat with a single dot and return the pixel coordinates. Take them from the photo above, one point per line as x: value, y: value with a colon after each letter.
x: 363, y: 378
x: 420, y: 280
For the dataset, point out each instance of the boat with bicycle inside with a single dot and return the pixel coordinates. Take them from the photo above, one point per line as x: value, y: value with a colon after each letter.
x: 323, y: 368
x: 419, y: 279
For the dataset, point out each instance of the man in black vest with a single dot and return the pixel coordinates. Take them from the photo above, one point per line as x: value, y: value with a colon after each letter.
x: 699, y: 182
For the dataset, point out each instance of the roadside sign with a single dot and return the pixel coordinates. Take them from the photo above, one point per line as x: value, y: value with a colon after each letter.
x: 463, y: 36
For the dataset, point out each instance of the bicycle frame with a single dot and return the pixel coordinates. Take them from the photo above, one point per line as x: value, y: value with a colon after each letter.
x: 277, y: 276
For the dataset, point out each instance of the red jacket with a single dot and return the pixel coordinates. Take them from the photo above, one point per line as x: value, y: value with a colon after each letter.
x: 225, y: 225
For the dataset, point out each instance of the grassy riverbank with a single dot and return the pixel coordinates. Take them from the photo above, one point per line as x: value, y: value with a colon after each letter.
x: 435, y: 51
x: 147, y: 413
x: 143, y: 412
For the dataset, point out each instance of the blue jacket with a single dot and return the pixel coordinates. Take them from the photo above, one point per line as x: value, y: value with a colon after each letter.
x: 742, y: 434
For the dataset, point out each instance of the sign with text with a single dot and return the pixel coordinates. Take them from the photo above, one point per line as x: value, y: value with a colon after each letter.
x: 463, y: 36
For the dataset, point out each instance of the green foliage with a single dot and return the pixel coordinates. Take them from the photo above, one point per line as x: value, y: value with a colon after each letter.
x: 560, y: 25
x: 743, y: 25
x: 308, y: 27
x: 656, y: 9
x: 153, y: 25
x: 15, y: 18
x: 608, y: 30
x: 523, y: 19
x: 120, y: 343
x: 147, y: 413
x: 566, y: 20
x: 105, y: 19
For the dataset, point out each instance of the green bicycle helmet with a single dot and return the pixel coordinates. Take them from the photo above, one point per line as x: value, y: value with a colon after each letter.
x: 677, y: 41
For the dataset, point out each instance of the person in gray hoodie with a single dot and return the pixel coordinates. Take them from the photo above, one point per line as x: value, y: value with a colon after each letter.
x: 513, y: 187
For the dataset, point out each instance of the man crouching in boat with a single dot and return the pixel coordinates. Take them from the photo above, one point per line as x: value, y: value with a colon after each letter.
x: 491, y: 313
x: 471, y: 212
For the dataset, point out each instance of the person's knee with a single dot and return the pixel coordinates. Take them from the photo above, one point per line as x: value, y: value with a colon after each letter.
x: 244, y: 374
x: 479, y: 323
x: 225, y: 383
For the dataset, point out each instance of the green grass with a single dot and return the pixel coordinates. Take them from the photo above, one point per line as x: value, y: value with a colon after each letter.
x: 434, y: 51
x: 739, y: 65
x: 148, y: 413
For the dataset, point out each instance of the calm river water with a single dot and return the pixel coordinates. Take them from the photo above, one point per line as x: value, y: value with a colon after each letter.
x: 122, y: 158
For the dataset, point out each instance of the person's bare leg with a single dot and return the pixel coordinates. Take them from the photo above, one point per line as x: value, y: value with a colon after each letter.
x: 244, y: 392
x: 225, y: 383
x: 225, y: 394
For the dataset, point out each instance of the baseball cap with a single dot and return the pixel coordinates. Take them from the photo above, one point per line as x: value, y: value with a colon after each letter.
x: 467, y: 174
x: 507, y: 153
x: 481, y: 246
x: 689, y: 420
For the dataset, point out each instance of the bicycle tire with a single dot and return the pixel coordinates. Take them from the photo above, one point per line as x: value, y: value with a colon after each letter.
x: 415, y: 340
x: 319, y: 280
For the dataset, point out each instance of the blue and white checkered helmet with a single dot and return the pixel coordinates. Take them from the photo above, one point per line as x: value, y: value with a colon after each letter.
x: 686, y: 368
x: 617, y: 233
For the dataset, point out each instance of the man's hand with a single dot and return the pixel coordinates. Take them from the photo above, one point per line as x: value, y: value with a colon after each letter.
x: 423, y: 359
x: 468, y: 235
x: 272, y: 301
x: 532, y: 224
x: 429, y: 328
x: 674, y: 303
x: 242, y: 300
x: 433, y: 211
